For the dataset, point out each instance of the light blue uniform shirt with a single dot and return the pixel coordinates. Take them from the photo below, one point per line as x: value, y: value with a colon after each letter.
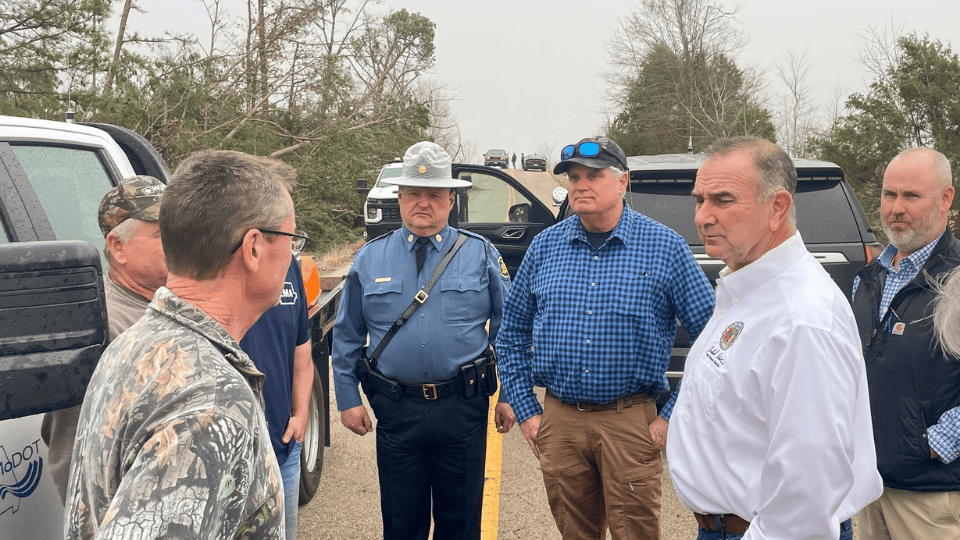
x: 447, y: 331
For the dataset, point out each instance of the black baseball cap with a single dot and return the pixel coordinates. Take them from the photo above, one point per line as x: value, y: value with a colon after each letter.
x: 595, y: 152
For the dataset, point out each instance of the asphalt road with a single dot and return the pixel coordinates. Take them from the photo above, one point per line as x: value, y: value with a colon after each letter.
x: 347, y: 502
x: 541, y: 184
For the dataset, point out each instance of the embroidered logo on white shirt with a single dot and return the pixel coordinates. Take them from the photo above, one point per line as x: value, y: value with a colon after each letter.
x: 730, y: 335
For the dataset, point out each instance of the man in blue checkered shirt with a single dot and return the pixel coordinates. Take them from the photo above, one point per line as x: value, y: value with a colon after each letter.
x: 914, y: 385
x: 592, y: 318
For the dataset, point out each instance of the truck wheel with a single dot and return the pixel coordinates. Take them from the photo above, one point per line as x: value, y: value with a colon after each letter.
x: 311, y: 455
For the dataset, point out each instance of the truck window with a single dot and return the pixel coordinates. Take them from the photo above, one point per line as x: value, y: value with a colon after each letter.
x: 489, y: 200
x: 388, y: 172
x: 69, y: 183
x: 824, y: 214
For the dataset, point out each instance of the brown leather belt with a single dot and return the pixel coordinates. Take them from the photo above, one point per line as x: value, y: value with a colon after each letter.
x: 619, y: 403
x: 731, y: 523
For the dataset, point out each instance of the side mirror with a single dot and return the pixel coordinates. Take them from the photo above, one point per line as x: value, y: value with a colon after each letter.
x: 558, y: 195
x: 519, y: 213
x: 53, y: 325
x: 362, y: 186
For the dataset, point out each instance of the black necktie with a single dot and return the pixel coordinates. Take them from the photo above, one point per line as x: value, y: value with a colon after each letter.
x: 421, y: 252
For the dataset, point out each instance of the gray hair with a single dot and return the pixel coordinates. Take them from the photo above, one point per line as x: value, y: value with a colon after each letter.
x: 124, y: 232
x: 777, y: 172
x: 946, y: 312
x: 215, y: 197
x: 943, y: 177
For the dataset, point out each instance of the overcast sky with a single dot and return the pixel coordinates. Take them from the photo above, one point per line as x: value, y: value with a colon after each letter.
x: 528, y: 72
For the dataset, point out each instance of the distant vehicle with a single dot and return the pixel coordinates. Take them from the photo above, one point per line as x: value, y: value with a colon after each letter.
x: 381, y: 211
x: 496, y: 158
x: 534, y: 161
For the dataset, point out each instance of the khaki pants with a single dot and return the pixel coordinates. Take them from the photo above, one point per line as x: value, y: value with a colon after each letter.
x: 908, y: 515
x: 601, y: 469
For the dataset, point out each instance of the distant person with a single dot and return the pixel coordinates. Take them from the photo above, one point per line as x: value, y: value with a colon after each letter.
x: 279, y: 345
x: 523, y: 162
x: 128, y: 217
x: 172, y: 440
x: 428, y: 379
x: 514, y: 160
x: 914, y: 383
x: 771, y: 434
x: 592, y: 317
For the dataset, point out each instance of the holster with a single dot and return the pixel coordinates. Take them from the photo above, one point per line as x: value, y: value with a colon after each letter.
x: 372, y: 381
x: 362, y: 373
x: 485, y: 370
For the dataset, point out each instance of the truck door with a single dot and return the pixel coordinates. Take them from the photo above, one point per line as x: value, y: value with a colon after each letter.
x: 500, y: 208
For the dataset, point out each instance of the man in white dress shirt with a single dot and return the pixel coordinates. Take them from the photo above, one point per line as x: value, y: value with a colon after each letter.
x: 771, y: 435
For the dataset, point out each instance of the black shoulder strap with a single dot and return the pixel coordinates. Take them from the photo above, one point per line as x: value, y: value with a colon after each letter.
x: 419, y: 299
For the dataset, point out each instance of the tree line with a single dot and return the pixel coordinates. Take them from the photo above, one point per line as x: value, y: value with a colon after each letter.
x: 677, y: 83
x: 333, y: 87
x: 336, y: 88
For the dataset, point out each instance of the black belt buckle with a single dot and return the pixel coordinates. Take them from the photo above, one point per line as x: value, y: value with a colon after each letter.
x: 429, y: 391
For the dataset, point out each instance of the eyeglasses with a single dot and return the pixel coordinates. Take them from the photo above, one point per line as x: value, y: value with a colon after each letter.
x: 299, y: 239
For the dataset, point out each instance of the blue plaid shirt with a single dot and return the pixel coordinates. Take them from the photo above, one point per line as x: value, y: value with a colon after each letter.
x: 944, y: 436
x: 597, y: 324
x: 910, y: 266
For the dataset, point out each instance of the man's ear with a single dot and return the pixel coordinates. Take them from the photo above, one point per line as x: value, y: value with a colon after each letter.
x: 252, y: 249
x: 115, y: 245
x: 780, y: 214
x: 946, y: 198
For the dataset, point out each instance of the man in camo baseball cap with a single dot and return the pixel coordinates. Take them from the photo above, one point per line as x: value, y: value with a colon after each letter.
x: 137, y: 197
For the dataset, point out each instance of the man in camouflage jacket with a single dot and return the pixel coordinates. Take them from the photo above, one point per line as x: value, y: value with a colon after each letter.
x: 172, y: 441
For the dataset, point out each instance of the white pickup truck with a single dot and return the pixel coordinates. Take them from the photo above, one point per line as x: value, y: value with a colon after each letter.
x: 52, y: 308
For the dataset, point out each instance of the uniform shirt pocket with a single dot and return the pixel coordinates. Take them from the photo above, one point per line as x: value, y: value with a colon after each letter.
x: 382, y: 301
x: 463, y: 299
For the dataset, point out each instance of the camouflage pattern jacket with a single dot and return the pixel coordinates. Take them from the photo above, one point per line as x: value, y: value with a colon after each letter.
x: 172, y: 441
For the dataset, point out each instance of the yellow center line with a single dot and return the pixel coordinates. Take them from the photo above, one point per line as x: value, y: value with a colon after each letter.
x: 490, y: 520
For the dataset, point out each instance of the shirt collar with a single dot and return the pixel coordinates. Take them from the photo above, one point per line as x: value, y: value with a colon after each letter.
x: 410, y: 239
x: 740, y: 283
x: 171, y: 305
x: 624, y: 225
x: 918, y: 258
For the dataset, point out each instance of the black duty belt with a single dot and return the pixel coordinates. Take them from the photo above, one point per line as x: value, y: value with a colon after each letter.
x: 432, y: 391
x: 478, y: 376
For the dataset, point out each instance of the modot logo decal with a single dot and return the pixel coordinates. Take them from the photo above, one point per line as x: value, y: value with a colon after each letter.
x: 20, y: 471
